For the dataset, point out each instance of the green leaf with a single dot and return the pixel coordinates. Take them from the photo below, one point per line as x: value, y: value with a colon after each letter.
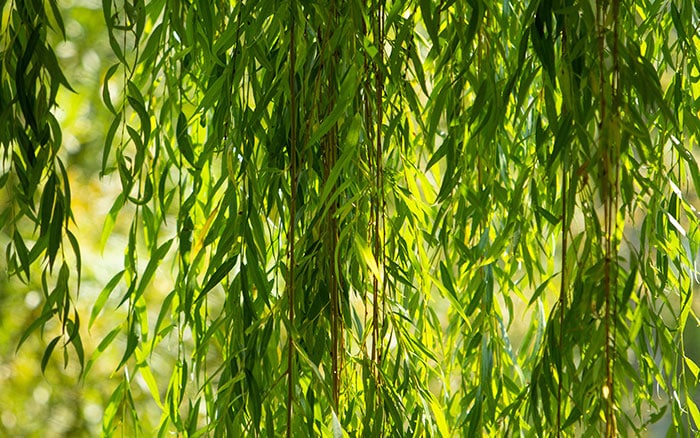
x: 76, y: 251
x: 347, y: 91
x: 690, y: 161
x: 75, y: 340
x: 22, y: 253
x: 153, y: 45
x: 446, y: 148
x: 439, y: 416
x: 335, y: 426
x: 367, y: 257
x: 47, y: 353
x: 157, y: 256
x: 48, y: 197
x: 150, y: 380
x: 552, y: 219
x: 137, y: 102
x: 113, y: 405
x: 57, y: 16
x: 217, y: 276
x: 431, y: 21
x: 106, y: 96
x: 50, y: 63
x: 110, y: 220
x: 692, y: 366
x: 693, y: 409
x: 55, y: 230
x: 39, y: 322
x: 132, y: 341
x: 183, y: 139
x: 103, y: 296
x: 164, y: 309
x: 347, y: 155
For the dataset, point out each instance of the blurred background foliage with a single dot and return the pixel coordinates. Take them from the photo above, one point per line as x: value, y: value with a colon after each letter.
x: 425, y: 179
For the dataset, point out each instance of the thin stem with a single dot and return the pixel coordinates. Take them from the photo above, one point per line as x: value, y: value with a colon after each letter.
x: 330, y: 145
x: 378, y: 289
x: 614, y: 206
x: 564, y: 246
x: 378, y: 198
x: 292, y: 216
x: 609, y: 182
x: 562, y: 291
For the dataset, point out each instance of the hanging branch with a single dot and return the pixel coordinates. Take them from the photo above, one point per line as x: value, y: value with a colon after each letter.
x: 374, y: 159
x: 563, y: 304
x: 605, y: 189
x: 330, y: 153
x: 292, y: 214
x: 609, y: 181
x: 367, y: 107
x: 30, y: 142
x: 378, y: 182
x: 611, y: 231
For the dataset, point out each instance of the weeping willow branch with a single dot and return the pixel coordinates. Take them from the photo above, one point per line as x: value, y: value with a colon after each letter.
x: 609, y: 144
x: 563, y: 304
x: 330, y: 153
x: 293, y: 177
x: 377, y: 209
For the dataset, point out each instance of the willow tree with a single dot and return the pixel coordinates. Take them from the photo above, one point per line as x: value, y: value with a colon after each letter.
x: 382, y: 218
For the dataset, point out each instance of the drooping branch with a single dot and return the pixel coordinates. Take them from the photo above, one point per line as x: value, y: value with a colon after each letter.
x: 293, y: 179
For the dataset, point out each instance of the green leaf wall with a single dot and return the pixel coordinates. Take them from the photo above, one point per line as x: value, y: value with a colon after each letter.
x: 372, y: 218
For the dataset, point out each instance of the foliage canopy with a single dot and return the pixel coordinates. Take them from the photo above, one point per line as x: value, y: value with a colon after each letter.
x: 382, y: 218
